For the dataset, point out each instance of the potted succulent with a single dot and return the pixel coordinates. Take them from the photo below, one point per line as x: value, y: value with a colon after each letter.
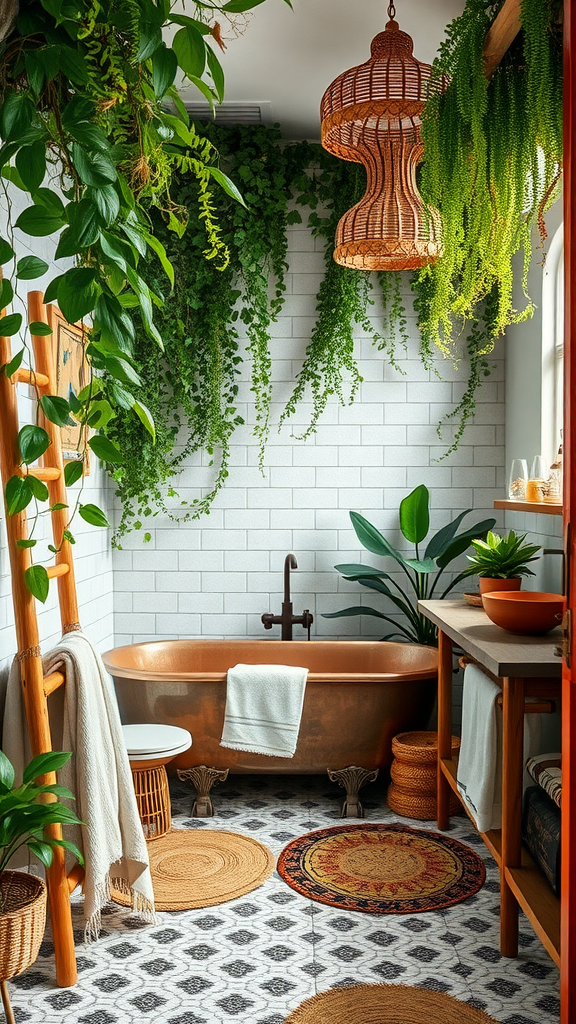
x: 25, y: 811
x: 501, y: 562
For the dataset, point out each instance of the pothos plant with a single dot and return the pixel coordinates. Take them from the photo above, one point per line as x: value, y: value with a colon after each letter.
x: 492, y: 165
x: 92, y: 130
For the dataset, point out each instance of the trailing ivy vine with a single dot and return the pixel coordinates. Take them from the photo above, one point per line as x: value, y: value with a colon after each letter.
x: 195, y: 407
x: 192, y: 387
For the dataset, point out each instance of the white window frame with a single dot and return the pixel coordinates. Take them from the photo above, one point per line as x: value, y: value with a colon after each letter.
x: 553, y: 347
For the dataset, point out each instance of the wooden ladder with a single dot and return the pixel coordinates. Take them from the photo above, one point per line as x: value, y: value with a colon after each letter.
x: 37, y: 687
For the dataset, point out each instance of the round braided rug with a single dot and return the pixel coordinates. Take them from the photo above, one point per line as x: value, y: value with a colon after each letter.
x: 381, y: 869
x: 385, y: 1004
x: 202, y: 868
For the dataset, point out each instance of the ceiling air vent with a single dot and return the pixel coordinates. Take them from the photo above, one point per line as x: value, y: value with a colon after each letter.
x: 232, y: 112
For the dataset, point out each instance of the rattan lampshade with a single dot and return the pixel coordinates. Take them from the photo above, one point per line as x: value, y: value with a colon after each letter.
x: 371, y: 115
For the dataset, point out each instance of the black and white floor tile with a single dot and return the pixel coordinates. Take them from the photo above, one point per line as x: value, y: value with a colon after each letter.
x: 255, y: 959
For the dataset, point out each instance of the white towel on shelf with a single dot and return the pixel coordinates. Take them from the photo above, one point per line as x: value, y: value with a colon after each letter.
x: 111, y: 839
x: 263, y: 709
x: 479, y: 773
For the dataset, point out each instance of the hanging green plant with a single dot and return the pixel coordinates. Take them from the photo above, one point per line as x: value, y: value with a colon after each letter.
x: 492, y: 160
x: 195, y: 408
x: 92, y: 131
x: 344, y: 297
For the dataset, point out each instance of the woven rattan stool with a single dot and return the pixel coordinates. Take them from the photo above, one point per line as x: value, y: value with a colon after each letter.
x: 412, y: 791
x: 150, y: 748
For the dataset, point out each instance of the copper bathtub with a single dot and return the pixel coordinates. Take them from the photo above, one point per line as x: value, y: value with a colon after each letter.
x: 359, y: 694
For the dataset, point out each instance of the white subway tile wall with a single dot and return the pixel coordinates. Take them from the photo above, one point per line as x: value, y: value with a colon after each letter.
x: 214, y: 577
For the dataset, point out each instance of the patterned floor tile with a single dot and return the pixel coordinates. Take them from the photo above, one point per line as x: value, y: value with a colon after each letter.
x: 253, y: 960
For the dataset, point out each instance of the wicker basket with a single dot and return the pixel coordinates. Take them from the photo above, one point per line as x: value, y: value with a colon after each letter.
x: 22, y: 921
x: 412, y: 792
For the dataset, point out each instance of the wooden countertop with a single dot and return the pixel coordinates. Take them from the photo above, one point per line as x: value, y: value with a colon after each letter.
x: 501, y: 652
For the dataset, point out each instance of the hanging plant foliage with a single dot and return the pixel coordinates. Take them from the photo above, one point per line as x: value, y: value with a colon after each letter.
x: 191, y: 388
x: 492, y: 160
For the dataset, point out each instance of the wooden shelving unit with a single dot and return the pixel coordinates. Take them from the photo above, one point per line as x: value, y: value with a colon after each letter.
x: 542, y: 507
x: 524, y: 667
x: 534, y: 895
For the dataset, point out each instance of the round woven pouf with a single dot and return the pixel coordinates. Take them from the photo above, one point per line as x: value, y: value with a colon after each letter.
x: 412, y: 792
x: 385, y: 1004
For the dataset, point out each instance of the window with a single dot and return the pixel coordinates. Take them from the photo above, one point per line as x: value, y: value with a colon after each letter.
x: 553, y: 347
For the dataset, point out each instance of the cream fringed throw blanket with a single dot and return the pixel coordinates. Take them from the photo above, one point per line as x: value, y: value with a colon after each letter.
x: 98, y: 774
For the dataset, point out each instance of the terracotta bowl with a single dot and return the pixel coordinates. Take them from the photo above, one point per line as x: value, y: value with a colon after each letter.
x: 524, y: 611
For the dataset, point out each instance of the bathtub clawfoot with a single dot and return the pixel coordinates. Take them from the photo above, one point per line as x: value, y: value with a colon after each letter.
x: 202, y: 778
x: 352, y: 779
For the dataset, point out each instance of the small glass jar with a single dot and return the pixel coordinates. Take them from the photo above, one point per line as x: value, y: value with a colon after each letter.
x: 518, y: 479
x: 554, y: 482
x: 536, y: 486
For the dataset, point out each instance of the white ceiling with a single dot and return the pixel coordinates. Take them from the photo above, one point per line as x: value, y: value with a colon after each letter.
x: 289, y: 57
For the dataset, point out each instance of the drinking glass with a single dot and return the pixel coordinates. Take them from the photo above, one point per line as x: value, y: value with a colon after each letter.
x: 518, y: 479
x: 537, y: 480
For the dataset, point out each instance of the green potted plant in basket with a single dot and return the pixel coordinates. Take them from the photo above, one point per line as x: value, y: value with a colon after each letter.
x: 25, y: 812
x: 501, y: 562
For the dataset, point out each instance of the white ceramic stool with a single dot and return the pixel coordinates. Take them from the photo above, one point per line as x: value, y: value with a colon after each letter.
x: 150, y: 747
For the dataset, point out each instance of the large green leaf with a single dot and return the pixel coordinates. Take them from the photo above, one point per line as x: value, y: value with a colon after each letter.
x: 37, y: 221
x: 93, y: 515
x: 146, y: 418
x: 462, y: 542
x: 43, y: 764
x: 190, y: 50
x: 424, y: 566
x: 6, y: 292
x: 31, y: 164
x: 440, y: 541
x: 372, y: 539
x: 6, y: 772
x: 10, y: 324
x: 227, y: 184
x: 415, y: 514
x: 105, y: 449
x: 360, y: 610
x: 18, y: 494
x: 56, y: 409
x: 107, y: 203
x: 38, y: 488
x: 6, y: 251
x: 216, y: 72
x: 94, y: 167
x: 164, y: 68
x: 72, y: 472
x: 240, y: 6
x: 84, y: 229
x: 33, y: 442
x: 77, y: 293
x: 36, y: 579
x: 31, y: 267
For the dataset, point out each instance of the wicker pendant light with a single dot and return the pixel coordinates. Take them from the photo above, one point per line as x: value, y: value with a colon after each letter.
x: 371, y: 115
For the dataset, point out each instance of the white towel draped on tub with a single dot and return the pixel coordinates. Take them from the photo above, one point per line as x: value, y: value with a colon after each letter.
x: 479, y: 774
x: 98, y: 774
x: 263, y: 709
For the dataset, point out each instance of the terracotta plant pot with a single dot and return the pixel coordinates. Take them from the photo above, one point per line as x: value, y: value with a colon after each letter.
x: 529, y: 612
x: 488, y: 585
x: 22, y: 921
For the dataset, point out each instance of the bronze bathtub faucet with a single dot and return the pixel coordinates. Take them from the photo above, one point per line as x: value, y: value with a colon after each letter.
x: 287, y: 619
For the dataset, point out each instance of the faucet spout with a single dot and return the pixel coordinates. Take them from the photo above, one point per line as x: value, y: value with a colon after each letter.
x: 289, y: 563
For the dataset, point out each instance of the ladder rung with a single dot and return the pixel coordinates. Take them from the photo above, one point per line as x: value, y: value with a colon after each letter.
x: 44, y: 472
x: 57, y: 570
x: 52, y: 682
x: 31, y: 377
x: 75, y: 877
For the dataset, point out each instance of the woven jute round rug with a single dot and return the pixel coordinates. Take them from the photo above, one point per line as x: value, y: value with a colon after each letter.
x: 385, y: 1004
x: 202, y: 868
x: 381, y: 869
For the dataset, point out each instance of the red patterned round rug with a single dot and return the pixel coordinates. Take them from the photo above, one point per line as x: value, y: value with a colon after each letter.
x: 381, y: 869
